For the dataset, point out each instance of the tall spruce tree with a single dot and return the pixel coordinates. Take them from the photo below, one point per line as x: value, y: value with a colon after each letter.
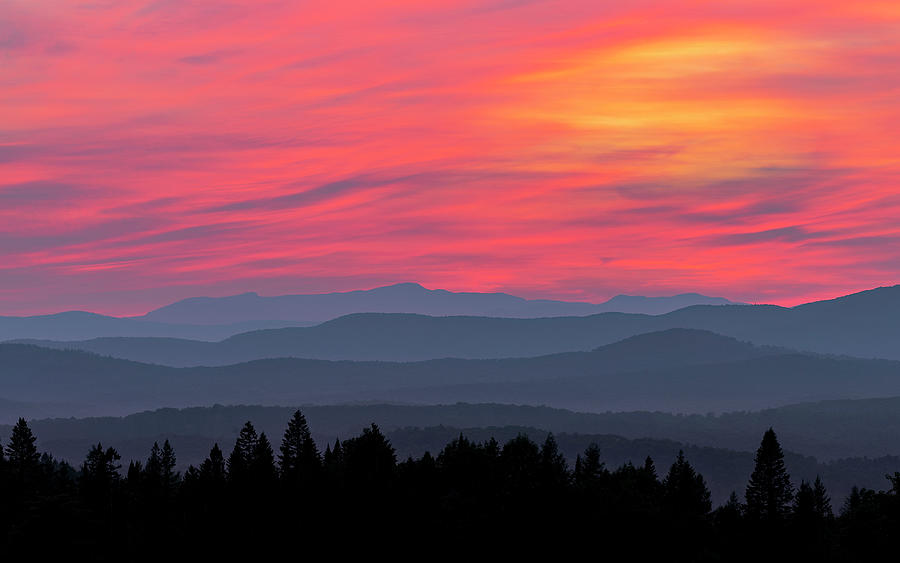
x: 168, y: 476
x: 242, y: 454
x: 554, y: 471
x: 822, y: 500
x: 589, y: 469
x: 769, y: 492
x: 299, y: 461
x: 22, y: 456
x: 262, y: 463
x: 684, y: 490
x: 152, y: 473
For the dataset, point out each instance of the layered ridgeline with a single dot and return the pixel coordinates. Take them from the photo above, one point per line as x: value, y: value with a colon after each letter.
x: 411, y: 431
x: 215, y: 318
x: 405, y: 298
x: 679, y: 370
x: 865, y: 324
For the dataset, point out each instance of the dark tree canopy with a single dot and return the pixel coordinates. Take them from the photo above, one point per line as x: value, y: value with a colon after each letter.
x: 520, y: 494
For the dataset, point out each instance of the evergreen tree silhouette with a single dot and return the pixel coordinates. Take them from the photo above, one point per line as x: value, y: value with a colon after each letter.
x: 520, y: 459
x: 22, y: 456
x: 731, y: 511
x: 769, y: 492
x: 299, y: 460
x: 553, y: 467
x: 212, y: 470
x: 168, y: 476
x: 153, y: 470
x: 262, y: 463
x: 100, y: 475
x: 589, y: 470
x: 369, y: 459
x: 822, y: 500
x: 242, y: 454
x: 685, y: 491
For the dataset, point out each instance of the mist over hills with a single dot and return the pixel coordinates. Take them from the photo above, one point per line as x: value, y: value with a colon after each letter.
x: 678, y: 370
x: 865, y: 324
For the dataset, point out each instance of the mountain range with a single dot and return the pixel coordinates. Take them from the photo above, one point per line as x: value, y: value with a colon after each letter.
x: 215, y: 318
x: 865, y: 324
x: 678, y: 370
x: 405, y: 298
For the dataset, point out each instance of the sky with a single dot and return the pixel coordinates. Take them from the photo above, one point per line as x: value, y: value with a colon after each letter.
x: 157, y: 150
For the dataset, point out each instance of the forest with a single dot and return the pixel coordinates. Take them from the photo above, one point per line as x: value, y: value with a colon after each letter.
x: 257, y: 497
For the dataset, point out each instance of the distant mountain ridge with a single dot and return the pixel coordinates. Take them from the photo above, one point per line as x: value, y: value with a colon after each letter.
x: 405, y: 298
x: 679, y: 370
x: 216, y: 318
x: 865, y: 324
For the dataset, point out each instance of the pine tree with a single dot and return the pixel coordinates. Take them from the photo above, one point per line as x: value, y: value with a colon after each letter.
x: 242, y: 454
x: 685, y: 491
x: 822, y: 500
x: 650, y: 467
x: 152, y: 474
x: 589, y: 470
x: 212, y: 471
x: 553, y: 467
x: 369, y: 459
x: 168, y: 476
x: 100, y: 473
x: 22, y: 456
x: 769, y: 492
x: 805, y: 503
x: 333, y: 464
x: 299, y: 460
x: 262, y: 463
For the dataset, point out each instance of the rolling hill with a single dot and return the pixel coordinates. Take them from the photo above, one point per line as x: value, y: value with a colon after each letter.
x: 676, y: 370
x: 866, y: 325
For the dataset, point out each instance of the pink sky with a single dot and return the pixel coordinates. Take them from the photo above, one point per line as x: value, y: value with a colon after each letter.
x: 155, y: 150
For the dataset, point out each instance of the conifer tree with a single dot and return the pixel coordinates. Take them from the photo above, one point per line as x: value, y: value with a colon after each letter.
x: 588, y: 467
x: 369, y: 458
x: 769, y: 492
x: 262, y: 462
x: 152, y: 474
x: 299, y: 459
x: 212, y: 470
x: 22, y: 456
x: 168, y: 476
x: 650, y: 467
x: 100, y: 473
x: 242, y: 454
x: 685, y: 491
x: 805, y: 503
x: 553, y: 467
x: 822, y: 500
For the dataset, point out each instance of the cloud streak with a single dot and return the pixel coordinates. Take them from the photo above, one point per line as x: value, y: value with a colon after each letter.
x: 554, y: 149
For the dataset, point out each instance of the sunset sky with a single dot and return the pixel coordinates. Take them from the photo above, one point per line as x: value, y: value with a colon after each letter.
x: 156, y: 150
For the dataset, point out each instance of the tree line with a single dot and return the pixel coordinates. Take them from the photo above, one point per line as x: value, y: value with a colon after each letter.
x: 519, y: 495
